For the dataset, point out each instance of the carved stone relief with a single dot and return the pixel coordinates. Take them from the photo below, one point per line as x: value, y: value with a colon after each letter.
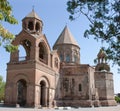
x: 66, y: 84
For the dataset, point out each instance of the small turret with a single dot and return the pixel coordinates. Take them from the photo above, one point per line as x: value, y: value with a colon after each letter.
x: 102, y: 61
x: 32, y: 23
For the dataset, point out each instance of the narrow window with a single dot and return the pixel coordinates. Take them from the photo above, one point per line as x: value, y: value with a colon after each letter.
x: 75, y: 58
x: 67, y: 58
x: 66, y: 84
x: 30, y: 25
x: 80, y: 87
x: 27, y: 46
x: 61, y: 57
x: 43, y: 56
x: 37, y: 27
x: 41, y: 52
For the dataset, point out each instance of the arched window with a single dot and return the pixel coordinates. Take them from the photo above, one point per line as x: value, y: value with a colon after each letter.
x: 43, y: 53
x: 68, y: 55
x: 67, y: 58
x: 27, y: 46
x: 75, y: 56
x: 30, y: 25
x: 61, y: 57
x: 80, y: 87
x: 22, y: 53
x: 37, y: 27
x: 24, y: 50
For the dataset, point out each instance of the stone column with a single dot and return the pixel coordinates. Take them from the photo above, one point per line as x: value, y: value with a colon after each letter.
x: 15, y: 93
x: 47, y: 97
x: 40, y: 95
x: 46, y: 94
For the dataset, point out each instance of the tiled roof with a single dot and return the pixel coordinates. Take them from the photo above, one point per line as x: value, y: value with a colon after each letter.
x: 66, y: 38
x: 33, y: 15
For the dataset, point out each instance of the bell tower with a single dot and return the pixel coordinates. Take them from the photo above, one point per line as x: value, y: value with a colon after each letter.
x: 30, y: 77
x: 104, y: 80
x: 32, y: 23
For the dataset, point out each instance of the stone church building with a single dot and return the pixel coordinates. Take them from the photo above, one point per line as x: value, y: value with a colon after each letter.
x: 48, y: 78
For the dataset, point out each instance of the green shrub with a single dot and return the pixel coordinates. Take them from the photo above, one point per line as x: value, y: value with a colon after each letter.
x: 117, y: 99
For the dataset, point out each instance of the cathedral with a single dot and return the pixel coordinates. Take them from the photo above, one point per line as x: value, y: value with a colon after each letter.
x: 54, y: 78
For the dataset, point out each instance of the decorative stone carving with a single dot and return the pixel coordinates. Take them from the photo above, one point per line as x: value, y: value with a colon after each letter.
x: 66, y: 84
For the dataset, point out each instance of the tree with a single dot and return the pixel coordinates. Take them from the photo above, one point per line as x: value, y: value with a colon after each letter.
x: 2, y: 88
x: 104, y: 19
x: 6, y: 16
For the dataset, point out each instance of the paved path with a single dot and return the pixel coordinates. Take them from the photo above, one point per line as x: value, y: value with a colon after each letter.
x: 114, y: 108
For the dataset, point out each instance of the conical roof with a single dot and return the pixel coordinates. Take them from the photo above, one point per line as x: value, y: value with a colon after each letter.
x: 101, y: 54
x: 33, y: 15
x: 66, y: 38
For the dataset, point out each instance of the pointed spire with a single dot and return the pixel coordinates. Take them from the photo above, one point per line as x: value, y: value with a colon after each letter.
x: 33, y: 15
x: 66, y: 38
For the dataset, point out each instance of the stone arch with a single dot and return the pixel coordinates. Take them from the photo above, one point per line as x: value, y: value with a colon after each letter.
x: 44, y: 78
x: 26, y: 45
x: 20, y: 76
x: 44, y: 91
x: 24, y: 49
x: 21, y: 82
x: 22, y: 53
x: 43, y: 52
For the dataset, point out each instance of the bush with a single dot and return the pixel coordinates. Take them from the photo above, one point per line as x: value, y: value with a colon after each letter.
x: 117, y: 99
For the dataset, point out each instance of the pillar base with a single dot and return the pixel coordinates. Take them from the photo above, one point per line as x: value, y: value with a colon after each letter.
x: 108, y: 103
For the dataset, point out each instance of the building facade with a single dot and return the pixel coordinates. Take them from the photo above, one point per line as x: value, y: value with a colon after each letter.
x: 48, y: 78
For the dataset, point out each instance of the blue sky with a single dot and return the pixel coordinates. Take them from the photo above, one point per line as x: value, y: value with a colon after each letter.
x: 55, y: 16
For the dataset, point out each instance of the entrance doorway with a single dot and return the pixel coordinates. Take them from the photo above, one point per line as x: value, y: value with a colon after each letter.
x: 43, y: 93
x: 21, y: 92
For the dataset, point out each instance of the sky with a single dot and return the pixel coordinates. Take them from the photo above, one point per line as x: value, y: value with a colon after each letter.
x: 55, y: 17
